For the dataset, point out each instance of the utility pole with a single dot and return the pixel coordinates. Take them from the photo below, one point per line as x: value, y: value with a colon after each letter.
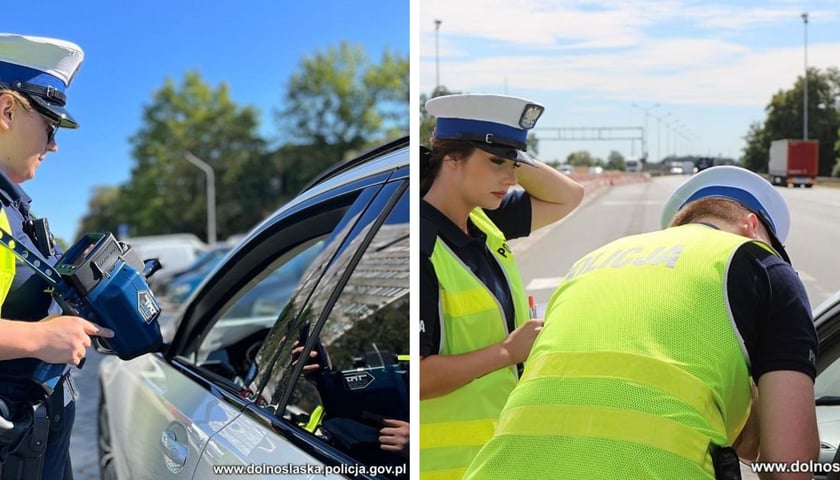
x: 645, y: 137
x: 211, y: 194
x: 437, y: 57
x: 805, y: 90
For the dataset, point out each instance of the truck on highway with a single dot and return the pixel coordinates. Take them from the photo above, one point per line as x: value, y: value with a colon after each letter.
x: 794, y: 162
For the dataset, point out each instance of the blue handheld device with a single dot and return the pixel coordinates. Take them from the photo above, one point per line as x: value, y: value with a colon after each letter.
x: 101, y: 280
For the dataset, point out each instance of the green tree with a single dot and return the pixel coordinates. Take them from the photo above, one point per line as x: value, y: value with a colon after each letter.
x: 615, y: 161
x: 757, y: 149
x: 166, y: 193
x: 785, y: 120
x: 342, y: 103
x: 581, y: 159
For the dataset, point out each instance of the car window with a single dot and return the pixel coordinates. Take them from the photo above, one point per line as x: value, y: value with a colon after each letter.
x: 227, y: 322
x: 357, y: 373
x: 257, y: 308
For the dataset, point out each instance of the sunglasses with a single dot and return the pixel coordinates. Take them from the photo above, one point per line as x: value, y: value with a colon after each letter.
x: 52, y: 123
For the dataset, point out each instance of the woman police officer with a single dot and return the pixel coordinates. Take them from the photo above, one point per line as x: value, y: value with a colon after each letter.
x: 34, y: 72
x: 475, y: 326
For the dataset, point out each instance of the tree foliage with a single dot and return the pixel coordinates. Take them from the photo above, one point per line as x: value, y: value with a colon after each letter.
x: 339, y: 99
x: 337, y: 104
x: 785, y: 119
x: 580, y: 159
x: 615, y: 161
x: 168, y: 194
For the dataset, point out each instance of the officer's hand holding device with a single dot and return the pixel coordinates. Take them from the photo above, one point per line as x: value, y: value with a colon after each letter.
x: 99, y: 279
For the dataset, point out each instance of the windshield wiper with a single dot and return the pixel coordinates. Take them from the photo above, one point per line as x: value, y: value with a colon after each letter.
x: 828, y: 400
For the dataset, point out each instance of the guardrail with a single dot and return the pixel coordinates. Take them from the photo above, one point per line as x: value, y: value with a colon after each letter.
x: 835, y: 180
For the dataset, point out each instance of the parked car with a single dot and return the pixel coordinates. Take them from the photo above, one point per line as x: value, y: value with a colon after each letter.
x: 174, y: 251
x: 228, y: 391
x: 181, y: 283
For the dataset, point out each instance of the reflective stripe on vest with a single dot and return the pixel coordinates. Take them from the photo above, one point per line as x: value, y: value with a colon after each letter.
x: 7, y: 261
x: 455, y: 426
x: 639, y: 359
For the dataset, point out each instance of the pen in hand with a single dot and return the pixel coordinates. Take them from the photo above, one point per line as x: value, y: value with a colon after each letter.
x: 532, y: 307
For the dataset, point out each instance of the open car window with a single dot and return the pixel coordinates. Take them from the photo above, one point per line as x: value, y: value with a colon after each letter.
x: 356, y: 372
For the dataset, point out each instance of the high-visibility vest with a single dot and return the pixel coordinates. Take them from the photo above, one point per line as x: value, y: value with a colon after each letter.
x: 7, y: 262
x: 453, y: 427
x: 638, y: 369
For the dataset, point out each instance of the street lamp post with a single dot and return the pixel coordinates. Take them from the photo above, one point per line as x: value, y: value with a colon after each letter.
x: 646, y: 110
x: 211, y: 194
x: 437, y: 57
x: 805, y: 90
x: 659, y: 136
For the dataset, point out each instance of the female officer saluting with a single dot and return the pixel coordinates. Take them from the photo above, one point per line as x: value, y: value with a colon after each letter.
x: 474, y: 318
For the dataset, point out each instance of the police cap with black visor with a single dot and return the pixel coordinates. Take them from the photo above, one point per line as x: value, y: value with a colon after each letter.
x: 742, y: 186
x: 497, y: 124
x: 41, y: 69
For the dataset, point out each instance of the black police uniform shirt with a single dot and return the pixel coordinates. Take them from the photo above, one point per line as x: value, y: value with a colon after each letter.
x: 772, y: 313
x: 27, y: 298
x: 513, y: 218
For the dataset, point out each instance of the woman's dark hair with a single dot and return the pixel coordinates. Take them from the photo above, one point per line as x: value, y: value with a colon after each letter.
x: 431, y: 160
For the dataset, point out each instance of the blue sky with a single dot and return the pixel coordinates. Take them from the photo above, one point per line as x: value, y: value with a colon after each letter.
x: 706, y: 69
x: 131, y: 47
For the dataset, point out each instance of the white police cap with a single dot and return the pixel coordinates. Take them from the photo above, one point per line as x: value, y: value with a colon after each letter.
x: 741, y: 185
x: 42, y: 69
x: 498, y: 124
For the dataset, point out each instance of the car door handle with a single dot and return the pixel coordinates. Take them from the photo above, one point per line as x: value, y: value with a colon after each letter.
x: 174, y: 451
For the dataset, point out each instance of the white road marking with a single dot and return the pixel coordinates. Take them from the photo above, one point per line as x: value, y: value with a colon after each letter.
x: 805, y: 277
x: 543, y: 283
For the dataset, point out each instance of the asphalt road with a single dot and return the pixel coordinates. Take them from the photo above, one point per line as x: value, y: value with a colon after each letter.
x: 610, y: 212
x: 83, y: 442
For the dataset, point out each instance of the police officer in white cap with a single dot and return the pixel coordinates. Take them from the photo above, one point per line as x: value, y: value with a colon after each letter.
x: 653, y: 344
x: 475, y: 323
x: 34, y: 74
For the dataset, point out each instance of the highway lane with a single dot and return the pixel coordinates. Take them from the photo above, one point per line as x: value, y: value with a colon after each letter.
x: 614, y: 211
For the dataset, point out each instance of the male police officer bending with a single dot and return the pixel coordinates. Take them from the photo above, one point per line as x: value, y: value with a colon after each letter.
x: 643, y: 369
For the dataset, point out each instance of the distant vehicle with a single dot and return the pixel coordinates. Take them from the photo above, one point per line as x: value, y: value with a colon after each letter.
x: 632, y: 166
x: 567, y: 169
x: 596, y: 170
x: 175, y: 252
x: 794, y: 162
x: 183, y: 282
x: 703, y: 163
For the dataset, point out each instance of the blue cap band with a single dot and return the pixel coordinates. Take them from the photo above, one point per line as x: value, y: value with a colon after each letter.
x: 741, y: 196
x: 10, y: 73
x: 458, y: 127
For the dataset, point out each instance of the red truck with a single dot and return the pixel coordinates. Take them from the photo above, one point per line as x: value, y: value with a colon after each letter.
x: 794, y: 162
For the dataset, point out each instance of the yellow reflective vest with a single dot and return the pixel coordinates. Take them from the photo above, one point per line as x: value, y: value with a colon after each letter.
x: 453, y: 427
x: 638, y: 369
x: 7, y: 262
